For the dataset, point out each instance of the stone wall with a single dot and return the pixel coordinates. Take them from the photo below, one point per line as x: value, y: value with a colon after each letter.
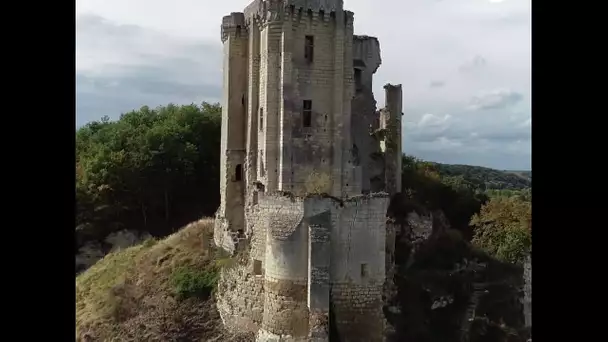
x: 391, y: 123
x: 281, y: 150
x: 286, y: 267
x: 315, y: 248
x: 358, y: 267
x: 253, y: 108
x: 319, y: 286
x: 357, y: 311
x: 366, y: 148
x: 258, y: 233
x: 222, y: 236
x: 240, y: 298
x: 232, y: 157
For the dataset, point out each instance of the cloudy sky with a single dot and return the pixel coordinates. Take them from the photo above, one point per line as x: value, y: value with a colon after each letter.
x: 464, y: 65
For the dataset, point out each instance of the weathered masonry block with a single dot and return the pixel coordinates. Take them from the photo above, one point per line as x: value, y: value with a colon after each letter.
x: 308, y: 165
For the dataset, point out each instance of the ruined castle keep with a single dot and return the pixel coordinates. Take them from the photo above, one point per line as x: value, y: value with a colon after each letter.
x: 308, y: 165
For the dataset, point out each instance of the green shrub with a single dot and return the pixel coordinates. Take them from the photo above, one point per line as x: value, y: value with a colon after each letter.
x: 503, y: 228
x: 189, y: 282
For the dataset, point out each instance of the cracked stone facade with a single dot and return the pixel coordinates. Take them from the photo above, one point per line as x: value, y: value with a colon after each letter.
x: 299, y: 117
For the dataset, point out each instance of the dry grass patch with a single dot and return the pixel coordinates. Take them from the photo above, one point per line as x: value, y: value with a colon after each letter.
x: 317, y: 183
x: 156, y: 291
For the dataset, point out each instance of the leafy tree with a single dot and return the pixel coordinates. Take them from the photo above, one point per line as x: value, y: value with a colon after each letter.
x: 150, y: 168
x: 504, y: 228
x: 458, y: 198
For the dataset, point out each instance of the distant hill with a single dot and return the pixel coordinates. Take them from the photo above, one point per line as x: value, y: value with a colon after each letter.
x: 524, y: 174
x: 489, y: 178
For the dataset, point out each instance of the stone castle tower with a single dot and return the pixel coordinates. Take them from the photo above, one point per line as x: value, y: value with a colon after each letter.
x: 308, y: 166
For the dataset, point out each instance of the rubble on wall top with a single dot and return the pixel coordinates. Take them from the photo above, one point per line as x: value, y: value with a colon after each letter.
x: 364, y: 37
x: 392, y: 86
x: 341, y: 201
x: 234, y: 19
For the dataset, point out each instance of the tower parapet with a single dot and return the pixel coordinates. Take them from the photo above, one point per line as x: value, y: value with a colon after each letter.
x: 233, y: 23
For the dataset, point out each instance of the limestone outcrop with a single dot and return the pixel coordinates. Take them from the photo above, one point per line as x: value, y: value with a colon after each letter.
x: 93, y: 250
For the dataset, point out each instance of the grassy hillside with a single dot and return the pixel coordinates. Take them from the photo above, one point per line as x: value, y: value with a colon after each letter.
x: 487, y: 178
x: 156, y: 291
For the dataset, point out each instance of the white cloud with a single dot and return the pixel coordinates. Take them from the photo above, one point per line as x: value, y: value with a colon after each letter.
x: 468, y: 58
x: 431, y: 120
x: 495, y: 99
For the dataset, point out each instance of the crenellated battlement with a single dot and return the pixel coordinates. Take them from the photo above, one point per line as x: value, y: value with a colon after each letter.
x: 262, y: 12
x: 233, y: 20
x: 233, y: 23
x: 317, y: 5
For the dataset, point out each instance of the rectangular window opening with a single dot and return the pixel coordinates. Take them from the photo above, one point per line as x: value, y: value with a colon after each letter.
x: 364, y: 271
x: 238, y: 173
x: 309, y: 48
x: 358, y: 83
x: 261, y: 128
x: 257, y: 267
x: 307, y: 113
x: 262, y: 168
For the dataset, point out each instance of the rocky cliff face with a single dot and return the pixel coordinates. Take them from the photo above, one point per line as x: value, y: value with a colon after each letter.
x: 528, y: 292
x: 91, y: 251
x: 446, y: 290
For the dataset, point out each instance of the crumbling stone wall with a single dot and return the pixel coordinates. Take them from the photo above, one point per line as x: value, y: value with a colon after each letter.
x: 240, y: 300
x: 258, y: 234
x: 390, y: 122
x: 365, y: 119
x: 357, y: 311
x: 240, y: 297
x: 222, y: 236
x: 232, y: 156
x: 319, y: 263
x: 286, y: 272
x: 358, y: 267
x: 320, y: 252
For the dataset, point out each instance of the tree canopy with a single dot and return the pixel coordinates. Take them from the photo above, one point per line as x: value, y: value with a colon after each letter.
x: 503, y: 228
x: 151, y: 169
